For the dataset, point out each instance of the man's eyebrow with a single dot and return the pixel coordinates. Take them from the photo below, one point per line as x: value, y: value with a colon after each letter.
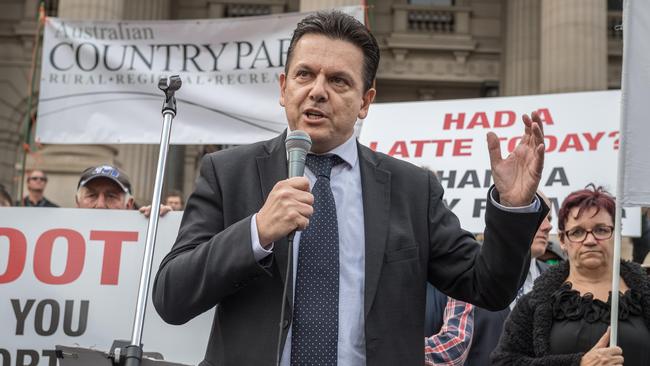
x: 343, y: 74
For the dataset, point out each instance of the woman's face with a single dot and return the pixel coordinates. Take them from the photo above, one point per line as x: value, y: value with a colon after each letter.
x: 594, y: 251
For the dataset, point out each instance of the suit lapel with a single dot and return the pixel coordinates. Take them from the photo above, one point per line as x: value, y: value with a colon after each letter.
x: 272, y: 168
x: 375, y: 183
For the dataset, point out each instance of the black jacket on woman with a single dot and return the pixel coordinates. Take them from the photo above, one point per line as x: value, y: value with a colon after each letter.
x: 526, y: 336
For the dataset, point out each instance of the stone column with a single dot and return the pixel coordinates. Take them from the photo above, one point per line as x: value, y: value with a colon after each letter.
x: 521, y: 61
x: 141, y: 160
x: 63, y: 163
x: 573, y: 45
x: 313, y: 5
x: 91, y: 9
x: 147, y: 9
x: 17, y: 42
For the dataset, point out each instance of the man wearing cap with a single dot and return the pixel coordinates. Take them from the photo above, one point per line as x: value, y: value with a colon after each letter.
x: 104, y: 186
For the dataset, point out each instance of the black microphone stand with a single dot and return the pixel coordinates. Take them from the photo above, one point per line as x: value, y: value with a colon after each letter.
x: 283, y: 312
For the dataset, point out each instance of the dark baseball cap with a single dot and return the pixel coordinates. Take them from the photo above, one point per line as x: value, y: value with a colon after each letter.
x: 105, y: 171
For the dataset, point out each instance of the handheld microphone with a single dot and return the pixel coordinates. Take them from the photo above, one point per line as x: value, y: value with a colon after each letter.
x: 297, y: 144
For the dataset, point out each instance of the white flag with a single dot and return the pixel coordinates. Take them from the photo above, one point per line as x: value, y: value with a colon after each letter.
x: 635, y: 126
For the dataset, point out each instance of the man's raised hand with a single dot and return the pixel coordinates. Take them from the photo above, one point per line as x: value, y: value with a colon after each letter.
x: 517, y: 176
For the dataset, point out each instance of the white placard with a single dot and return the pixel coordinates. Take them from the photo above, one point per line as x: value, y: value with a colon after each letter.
x: 70, y: 277
x: 449, y: 137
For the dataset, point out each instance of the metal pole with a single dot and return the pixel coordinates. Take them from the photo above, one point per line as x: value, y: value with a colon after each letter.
x: 134, y: 350
x: 618, y: 215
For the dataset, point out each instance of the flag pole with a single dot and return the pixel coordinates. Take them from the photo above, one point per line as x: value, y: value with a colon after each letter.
x: 618, y: 215
x: 29, y: 117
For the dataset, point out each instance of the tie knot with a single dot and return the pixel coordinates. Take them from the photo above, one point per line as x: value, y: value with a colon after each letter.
x: 321, y: 165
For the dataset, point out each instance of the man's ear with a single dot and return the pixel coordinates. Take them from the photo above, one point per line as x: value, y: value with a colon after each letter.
x: 283, y: 84
x: 366, y: 100
x: 130, y: 203
x: 76, y: 198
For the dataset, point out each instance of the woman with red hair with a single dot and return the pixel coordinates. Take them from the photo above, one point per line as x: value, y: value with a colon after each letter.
x: 565, y: 319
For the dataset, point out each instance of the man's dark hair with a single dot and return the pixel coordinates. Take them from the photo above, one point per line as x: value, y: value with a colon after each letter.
x: 175, y: 193
x: 341, y: 26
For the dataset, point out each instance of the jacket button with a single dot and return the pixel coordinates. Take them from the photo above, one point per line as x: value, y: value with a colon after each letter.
x: 237, y: 284
x: 285, y: 323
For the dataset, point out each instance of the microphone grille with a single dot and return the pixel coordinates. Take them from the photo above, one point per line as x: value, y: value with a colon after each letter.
x: 298, y: 140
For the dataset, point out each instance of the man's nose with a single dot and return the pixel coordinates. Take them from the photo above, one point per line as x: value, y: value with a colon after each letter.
x: 101, y: 201
x: 318, y: 92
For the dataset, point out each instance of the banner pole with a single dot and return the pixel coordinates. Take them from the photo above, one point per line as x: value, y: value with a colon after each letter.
x: 29, y: 120
x: 620, y: 170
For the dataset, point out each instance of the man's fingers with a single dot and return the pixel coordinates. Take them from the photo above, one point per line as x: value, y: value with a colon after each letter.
x: 535, y: 117
x: 145, y: 210
x: 539, y: 162
x: 494, y: 149
x: 527, y: 124
x: 538, y: 133
x: 301, y: 183
x: 305, y: 210
x: 164, y: 209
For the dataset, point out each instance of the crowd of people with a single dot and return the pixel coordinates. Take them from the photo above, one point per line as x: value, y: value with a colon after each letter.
x: 349, y: 248
x: 104, y: 187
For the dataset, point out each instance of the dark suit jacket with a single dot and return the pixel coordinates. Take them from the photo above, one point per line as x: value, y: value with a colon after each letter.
x: 488, y: 326
x: 411, y: 237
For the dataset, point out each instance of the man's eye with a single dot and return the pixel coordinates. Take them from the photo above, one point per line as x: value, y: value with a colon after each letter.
x: 302, y: 73
x: 338, y: 81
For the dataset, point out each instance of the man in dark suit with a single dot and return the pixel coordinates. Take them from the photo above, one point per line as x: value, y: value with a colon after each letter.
x: 488, y: 325
x: 371, y: 235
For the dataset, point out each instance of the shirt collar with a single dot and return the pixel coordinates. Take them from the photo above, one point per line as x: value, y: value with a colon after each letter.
x: 346, y: 151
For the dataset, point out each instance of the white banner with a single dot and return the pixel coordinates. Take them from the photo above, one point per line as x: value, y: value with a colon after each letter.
x: 99, y: 81
x: 449, y: 137
x: 635, y: 126
x: 70, y: 277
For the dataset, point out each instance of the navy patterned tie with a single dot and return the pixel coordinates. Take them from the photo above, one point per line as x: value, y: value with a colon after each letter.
x: 314, y: 339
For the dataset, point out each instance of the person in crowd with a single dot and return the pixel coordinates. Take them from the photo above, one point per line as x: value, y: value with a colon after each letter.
x: 565, y: 319
x: 174, y: 199
x: 5, y: 197
x: 553, y: 254
x: 36, y: 183
x: 641, y: 245
x: 108, y: 187
x: 105, y: 187
x: 448, y: 329
x: 488, y: 325
x: 371, y: 229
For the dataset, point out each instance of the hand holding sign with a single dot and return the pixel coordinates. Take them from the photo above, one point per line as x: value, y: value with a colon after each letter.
x: 517, y: 176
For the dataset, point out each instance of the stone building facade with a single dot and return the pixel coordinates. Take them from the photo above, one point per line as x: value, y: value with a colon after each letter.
x: 431, y: 49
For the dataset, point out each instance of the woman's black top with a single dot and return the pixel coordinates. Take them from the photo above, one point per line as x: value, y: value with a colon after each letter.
x: 580, y: 321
